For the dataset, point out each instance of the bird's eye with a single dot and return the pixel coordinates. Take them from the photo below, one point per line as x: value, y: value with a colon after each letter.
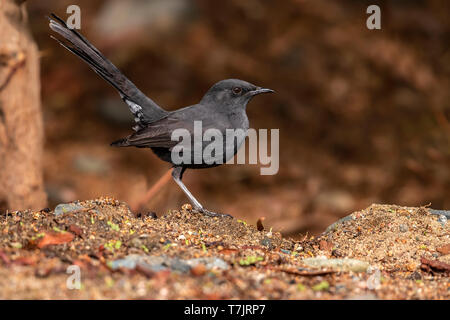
x: 237, y: 90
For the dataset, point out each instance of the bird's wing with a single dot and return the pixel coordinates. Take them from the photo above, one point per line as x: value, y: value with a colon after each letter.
x: 156, y: 134
x: 143, y: 108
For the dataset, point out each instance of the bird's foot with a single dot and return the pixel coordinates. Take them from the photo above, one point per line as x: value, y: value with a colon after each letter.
x: 214, y: 214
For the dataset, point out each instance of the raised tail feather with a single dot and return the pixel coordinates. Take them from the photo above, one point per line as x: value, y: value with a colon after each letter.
x: 144, y: 109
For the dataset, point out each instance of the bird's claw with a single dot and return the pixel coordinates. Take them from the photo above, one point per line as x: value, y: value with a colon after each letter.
x: 214, y: 214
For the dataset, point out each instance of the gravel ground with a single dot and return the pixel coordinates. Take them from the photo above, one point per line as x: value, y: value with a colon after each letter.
x: 382, y: 252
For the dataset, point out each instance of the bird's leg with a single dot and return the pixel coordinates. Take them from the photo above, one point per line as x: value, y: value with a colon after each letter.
x: 177, y: 174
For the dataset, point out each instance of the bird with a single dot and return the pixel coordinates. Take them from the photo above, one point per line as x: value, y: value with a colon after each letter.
x: 222, y: 108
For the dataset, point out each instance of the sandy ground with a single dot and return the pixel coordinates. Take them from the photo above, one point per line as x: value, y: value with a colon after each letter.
x: 382, y: 252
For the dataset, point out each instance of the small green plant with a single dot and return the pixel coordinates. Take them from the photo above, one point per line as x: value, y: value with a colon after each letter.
x: 250, y: 260
x: 112, y: 245
x: 301, y: 287
x: 37, y: 236
x: 243, y: 222
x: 113, y: 226
x: 56, y: 229
x: 322, y: 286
x: 109, y: 282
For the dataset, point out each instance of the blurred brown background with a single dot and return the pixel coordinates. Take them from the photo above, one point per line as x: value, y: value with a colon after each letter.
x: 363, y: 115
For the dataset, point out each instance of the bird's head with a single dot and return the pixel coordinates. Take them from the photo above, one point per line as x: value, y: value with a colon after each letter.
x: 232, y: 91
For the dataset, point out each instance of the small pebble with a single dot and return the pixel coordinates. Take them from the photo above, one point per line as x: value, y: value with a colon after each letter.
x: 337, y: 264
x: 442, y: 219
x: 266, y: 242
x: 415, y: 276
x: 67, y: 208
x: 403, y: 228
x: 186, y: 207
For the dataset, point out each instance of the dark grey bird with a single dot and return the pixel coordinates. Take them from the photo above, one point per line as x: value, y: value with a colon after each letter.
x: 222, y: 107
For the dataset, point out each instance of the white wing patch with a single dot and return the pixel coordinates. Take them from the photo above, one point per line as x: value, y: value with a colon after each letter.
x: 136, y: 110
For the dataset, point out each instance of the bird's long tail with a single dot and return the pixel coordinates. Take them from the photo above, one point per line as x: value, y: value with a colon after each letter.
x: 144, y: 109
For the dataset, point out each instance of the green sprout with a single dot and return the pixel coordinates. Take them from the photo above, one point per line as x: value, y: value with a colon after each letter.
x: 37, y: 236
x: 242, y: 221
x: 322, y: 286
x: 113, y: 226
x: 301, y: 287
x: 56, y: 229
x: 113, y: 244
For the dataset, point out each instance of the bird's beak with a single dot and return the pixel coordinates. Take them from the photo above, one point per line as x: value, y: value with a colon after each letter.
x: 260, y: 90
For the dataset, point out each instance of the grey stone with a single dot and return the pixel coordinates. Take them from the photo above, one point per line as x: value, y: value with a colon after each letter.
x: 445, y: 213
x: 158, y: 263
x: 442, y: 219
x: 176, y: 264
x: 209, y: 263
x: 67, y: 208
x: 153, y: 263
x: 415, y: 276
x: 128, y: 262
x: 340, y: 287
x: 266, y: 242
